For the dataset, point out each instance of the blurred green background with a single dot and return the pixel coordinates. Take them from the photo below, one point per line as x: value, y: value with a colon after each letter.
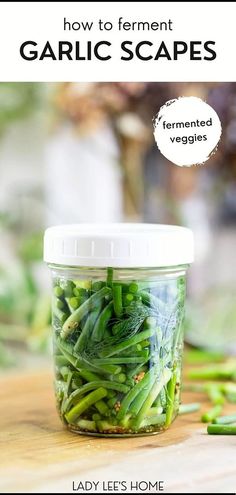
x: 85, y: 152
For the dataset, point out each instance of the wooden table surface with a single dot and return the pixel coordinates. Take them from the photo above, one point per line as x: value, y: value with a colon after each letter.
x: 39, y: 455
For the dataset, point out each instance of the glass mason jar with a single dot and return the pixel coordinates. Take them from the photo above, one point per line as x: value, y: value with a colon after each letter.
x: 117, y: 311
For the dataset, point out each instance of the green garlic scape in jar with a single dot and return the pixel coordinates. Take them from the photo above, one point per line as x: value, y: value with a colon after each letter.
x: 117, y: 311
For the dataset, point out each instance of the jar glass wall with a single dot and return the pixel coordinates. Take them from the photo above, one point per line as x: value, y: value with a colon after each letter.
x: 118, y: 348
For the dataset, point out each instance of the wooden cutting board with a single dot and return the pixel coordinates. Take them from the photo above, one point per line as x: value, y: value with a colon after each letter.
x: 39, y: 455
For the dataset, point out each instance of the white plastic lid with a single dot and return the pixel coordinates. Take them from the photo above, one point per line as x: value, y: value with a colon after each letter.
x: 123, y: 245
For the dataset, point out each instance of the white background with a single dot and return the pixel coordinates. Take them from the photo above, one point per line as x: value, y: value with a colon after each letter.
x: 43, y: 21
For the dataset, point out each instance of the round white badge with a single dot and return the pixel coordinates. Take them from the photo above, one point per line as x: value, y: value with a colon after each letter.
x: 187, y: 131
